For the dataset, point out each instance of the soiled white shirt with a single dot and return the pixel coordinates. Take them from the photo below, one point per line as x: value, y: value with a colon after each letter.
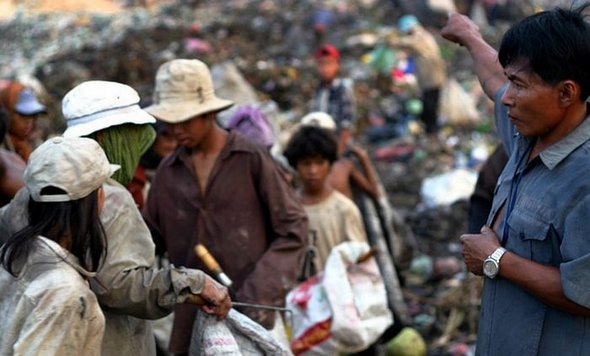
x: 49, y: 308
x: 334, y: 220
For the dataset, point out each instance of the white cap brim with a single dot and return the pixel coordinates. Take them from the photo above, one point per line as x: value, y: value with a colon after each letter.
x: 102, y: 120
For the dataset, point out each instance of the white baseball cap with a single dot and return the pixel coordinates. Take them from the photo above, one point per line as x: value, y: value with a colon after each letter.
x: 27, y: 104
x: 76, y: 165
x: 96, y: 105
x: 319, y: 119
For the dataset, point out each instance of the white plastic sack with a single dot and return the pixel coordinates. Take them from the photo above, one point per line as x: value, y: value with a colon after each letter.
x: 442, y: 5
x: 236, y: 335
x: 230, y: 84
x: 447, y: 188
x: 456, y: 106
x: 343, y: 309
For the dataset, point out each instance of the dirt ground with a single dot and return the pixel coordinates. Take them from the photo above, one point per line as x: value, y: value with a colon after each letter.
x: 8, y: 7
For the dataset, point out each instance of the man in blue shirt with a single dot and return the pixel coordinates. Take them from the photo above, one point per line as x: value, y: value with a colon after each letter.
x: 534, y: 253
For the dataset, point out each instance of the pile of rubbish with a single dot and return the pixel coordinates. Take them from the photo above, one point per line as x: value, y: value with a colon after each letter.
x: 261, y: 53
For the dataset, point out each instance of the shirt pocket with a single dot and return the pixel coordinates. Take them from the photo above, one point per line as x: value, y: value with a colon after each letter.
x: 530, y: 237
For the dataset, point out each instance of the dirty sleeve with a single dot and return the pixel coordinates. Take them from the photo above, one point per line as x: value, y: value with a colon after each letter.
x: 129, y: 280
x: 276, y: 271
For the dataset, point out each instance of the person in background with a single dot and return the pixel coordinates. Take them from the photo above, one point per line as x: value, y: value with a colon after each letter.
x: 23, y: 109
x: 253, y: 124
x: 344, y: 173
x: 335, y: 95
x: 333, y: 218
x: 46, y: 304
x: 430, y: 67
x: 12, y: 167
x: 164, y: 145
x: 128, y: 286
x: 534, y: 251
x: 225, y: 192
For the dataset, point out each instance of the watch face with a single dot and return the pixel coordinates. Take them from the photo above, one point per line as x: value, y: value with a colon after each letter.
x: 490, y: 268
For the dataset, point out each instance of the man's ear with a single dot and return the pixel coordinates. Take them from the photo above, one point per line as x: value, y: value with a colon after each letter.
x: 569, y: 92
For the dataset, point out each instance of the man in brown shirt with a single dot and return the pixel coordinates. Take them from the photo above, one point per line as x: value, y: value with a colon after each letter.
x: 222, y: 191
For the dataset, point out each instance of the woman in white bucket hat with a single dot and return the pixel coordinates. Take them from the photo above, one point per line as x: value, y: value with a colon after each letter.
x: 45, y: 300
x: 128, y: 287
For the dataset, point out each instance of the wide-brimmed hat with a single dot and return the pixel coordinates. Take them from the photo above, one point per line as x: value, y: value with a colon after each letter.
x: 76, y: 165
x: 184, y: 89
x: 96, y: 105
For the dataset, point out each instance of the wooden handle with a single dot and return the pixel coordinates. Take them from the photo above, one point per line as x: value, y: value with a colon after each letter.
x: 366, y: 256
x: 209, y: 261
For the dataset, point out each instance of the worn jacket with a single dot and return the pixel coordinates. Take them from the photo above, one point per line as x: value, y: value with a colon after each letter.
x: 248, y: 218
x: 48, y: 309
x: 128, y: 286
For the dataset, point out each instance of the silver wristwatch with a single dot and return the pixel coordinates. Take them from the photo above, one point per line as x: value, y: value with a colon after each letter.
x: 491, y: 265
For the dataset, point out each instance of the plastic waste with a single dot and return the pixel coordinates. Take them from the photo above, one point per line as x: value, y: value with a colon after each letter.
x: 408, y: 342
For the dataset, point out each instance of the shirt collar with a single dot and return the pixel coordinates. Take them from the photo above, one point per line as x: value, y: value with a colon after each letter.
x: 234, y: 143
x: 558, y: 151
x: 333, y: 84
x: 51, y: 252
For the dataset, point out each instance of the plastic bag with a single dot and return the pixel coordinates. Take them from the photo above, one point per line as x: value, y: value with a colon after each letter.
x: 382, y: 59
x: 456, y: 105
x: 343, y: 309
x: 236, y: 335
x: 447, y: 188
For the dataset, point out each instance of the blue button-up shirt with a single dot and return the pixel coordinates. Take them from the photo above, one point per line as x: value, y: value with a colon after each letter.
x: 547, y: 203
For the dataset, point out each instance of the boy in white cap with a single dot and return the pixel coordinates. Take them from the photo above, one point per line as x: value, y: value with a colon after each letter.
x: 225, y: 192
x: 46, y: 304
x: 128, y: 286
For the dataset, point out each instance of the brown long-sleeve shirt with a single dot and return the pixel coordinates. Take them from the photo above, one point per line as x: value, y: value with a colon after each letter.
x: 248, y: 218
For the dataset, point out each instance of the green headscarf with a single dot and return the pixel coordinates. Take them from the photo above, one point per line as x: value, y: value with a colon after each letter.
x: 124, y: 145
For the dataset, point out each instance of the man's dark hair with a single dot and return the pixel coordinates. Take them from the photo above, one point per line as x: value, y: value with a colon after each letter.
x: 76, y: 220
x: 555, y: 44
x: 311, y: 141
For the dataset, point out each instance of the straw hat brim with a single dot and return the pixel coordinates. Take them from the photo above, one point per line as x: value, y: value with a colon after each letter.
x: 176, y: 112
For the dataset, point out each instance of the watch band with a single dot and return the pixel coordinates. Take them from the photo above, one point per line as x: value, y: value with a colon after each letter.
x: 497, y: 254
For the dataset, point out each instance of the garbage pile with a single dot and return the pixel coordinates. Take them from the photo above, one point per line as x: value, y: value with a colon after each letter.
x: 268, y: 51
